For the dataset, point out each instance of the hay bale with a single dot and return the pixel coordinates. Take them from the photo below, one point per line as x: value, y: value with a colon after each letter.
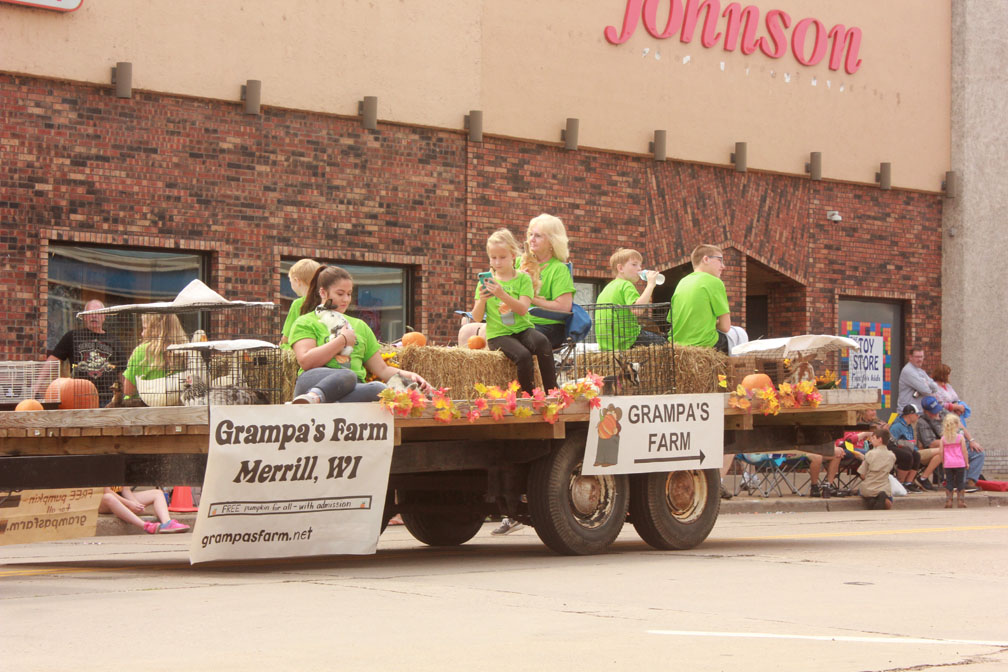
x: 697, y: 369
x: 272, y: 373
x: 288, y: 380
x: 649, y: 369
x: 460, y: 368
x: 644, y: 369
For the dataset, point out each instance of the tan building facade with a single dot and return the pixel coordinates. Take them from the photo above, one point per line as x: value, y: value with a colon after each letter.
x: 862, y: 82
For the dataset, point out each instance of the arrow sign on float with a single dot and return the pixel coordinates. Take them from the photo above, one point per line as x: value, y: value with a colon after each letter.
x: 679, y: 458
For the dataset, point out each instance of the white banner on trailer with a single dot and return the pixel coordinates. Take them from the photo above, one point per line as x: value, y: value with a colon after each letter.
x: 285, y: 481
x: 673, y: 432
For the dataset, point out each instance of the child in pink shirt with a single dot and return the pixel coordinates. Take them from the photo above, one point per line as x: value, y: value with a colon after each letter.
x: 955, y: 459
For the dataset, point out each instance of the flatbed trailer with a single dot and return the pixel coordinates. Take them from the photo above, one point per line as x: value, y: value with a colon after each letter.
x: 445, y: 479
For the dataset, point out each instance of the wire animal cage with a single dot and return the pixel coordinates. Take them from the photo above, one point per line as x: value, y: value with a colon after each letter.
x: 28, y: 380
x: 629, y: 347
x: 193, y: 353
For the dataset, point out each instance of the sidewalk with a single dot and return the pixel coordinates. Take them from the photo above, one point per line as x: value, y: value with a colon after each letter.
x: 109, y: 525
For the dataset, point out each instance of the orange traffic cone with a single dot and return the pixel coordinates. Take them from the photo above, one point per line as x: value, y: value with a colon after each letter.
x: 181, y: 499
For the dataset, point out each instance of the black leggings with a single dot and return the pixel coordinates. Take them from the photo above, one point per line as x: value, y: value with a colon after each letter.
x: 520, y: 348
x: 555, y: 333
x: 907, y: 459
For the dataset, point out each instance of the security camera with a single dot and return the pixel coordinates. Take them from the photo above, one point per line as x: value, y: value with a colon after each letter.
x: 833, y: 216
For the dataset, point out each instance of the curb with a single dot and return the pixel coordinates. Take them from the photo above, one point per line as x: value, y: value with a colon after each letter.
x: 789, y: 504
x: 109, y: 525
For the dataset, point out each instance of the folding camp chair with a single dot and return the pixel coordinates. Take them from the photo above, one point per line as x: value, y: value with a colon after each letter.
x: 764, y: 473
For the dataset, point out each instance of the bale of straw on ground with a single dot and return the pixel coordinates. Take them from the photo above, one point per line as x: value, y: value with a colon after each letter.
x: 649, y: 369
x: 460, y: 368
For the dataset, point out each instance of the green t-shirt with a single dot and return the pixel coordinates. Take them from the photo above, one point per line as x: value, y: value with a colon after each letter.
x: 141, y: 366
x: 500, y: 319
x: 616, y: 328
x: 310, y: 326
x: 556, y: 281
x: 292, y: 315
x: 699, y: 299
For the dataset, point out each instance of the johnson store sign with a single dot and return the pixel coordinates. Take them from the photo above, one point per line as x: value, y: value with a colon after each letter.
x: 775, y: 34
x: 57, y: 5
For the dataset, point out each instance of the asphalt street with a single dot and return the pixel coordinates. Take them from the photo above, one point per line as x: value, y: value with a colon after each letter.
x: 841, y: 590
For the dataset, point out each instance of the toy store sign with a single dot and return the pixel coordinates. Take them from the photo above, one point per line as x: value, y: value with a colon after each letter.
x: 807, y: 40
x: 867, y: 365
x: 285, y: 481
x: 55, y: 5
x: 673, y: 432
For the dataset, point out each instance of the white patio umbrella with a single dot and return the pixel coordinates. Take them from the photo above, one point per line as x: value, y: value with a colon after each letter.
x: 789, y: 345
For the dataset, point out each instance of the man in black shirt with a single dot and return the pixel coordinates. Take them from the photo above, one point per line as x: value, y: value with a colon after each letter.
x: 93, y: 353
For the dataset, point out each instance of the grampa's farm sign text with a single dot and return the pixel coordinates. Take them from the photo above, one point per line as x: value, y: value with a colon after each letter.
x: 809, y: 43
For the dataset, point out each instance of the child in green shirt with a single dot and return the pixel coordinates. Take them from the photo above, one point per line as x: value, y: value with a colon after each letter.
x: 504, y: 299
x: 617, y: 328
x: 300, y: 275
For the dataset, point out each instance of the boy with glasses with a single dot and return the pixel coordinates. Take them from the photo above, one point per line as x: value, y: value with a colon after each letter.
x: 700, y: 314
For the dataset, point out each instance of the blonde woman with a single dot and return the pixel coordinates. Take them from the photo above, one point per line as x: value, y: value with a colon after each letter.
x: 545, y: 260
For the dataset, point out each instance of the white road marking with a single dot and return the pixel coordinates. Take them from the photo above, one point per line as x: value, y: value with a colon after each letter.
x: 826, y: 638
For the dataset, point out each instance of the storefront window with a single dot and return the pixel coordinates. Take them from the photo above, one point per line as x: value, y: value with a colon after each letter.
x: 585, y: 292
x: 114, y: 276
x: 379, y: 296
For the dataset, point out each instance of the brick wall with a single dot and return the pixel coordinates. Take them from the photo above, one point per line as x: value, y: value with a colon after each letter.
x: 77, y: 164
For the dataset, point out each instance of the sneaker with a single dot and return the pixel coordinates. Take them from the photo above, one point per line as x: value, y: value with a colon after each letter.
x: 724, y: 493
x: 912, y: 487
x: 814, y: 490
x: 152, y: 528
x: 880, y: 501
x: 173, y: 526
x: 306, y: 398
x: 972, y: 488
x: 507, y: 526
x: 926, y: 484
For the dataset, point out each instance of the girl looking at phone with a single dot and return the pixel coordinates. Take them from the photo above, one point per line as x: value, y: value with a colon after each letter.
x: 505, y: 298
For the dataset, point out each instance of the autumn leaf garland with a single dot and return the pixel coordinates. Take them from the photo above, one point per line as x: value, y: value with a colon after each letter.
x: 493, y: 401
x: 770, y: 401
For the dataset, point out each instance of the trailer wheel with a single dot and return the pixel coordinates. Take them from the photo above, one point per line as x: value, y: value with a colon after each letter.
x: 440, y: 528
x: 675, y: 510
x: 575, y: 514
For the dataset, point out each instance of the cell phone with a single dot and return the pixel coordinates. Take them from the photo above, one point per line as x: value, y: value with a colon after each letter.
x: 484, y: 276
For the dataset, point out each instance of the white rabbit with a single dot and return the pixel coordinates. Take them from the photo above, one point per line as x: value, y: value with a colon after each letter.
x: 335, y: 320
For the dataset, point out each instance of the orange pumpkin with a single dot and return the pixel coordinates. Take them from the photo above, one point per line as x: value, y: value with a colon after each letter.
x: 476, y: 343
x: 756, y: 381
x: 72, y: 393
x: 414, y: 338
x: 608, y: 426
x: 28, y: 405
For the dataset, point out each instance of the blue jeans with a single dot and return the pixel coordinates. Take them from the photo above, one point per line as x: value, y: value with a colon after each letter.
x: 976, y: 459
x: 337, y: 385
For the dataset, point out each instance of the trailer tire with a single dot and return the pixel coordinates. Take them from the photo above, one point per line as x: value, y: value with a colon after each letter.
x: 443, y: 528
x: 676, y: 510
x: 571, y: 513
